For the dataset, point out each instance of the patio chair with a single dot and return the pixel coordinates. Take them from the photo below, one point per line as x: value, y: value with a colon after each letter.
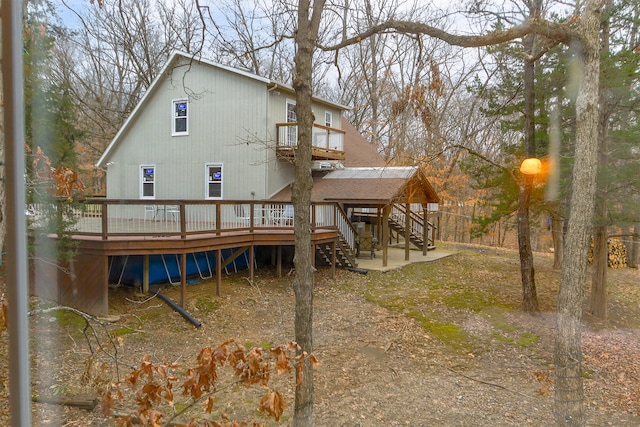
x: 174, y: 211
x: 150, y: 210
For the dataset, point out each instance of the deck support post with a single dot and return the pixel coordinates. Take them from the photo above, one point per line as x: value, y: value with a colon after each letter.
x: 385, y: 235
x: 425, y: 231
x: 105, y: 284
x: 279, y: 261
x: 407, y: 230
x: 183, y: 278
x: 251, y: 262
x: 218, y: 271
x: 145, y: 275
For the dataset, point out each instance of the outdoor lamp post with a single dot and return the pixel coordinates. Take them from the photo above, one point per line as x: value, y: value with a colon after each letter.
x: 531, y: 166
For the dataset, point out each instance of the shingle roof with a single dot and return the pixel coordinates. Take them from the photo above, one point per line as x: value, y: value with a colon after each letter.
x: 357, y: 150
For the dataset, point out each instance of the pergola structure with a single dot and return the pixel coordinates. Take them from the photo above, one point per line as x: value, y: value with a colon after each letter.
x: 378, y: 191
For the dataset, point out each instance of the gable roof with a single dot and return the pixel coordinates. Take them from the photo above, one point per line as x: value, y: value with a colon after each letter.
x: 359, y: 152
x: 370, y: 186
x: 177, y: 55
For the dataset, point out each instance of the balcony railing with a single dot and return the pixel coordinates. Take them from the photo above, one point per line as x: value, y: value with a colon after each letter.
x: 324, y: 137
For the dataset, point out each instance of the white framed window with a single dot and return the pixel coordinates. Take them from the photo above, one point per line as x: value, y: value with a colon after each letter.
x: 147, y: 181
x: 328, y: 119
x: 213, y: 181
x: 292, y: 131
x: 180, y: 117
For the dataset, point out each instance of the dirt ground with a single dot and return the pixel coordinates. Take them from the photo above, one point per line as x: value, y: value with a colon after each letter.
x: 378, y: 365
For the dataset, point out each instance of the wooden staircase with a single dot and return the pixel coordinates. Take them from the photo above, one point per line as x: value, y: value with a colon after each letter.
x: 345, y: 254
x: 346, y: 244
x: 398, y: 221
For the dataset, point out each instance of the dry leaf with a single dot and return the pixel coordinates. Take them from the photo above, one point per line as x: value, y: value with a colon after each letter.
x: 273, y: 404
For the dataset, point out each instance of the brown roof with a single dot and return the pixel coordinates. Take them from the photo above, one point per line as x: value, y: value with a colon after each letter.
x: 358, y: 152
x: 377, y: 186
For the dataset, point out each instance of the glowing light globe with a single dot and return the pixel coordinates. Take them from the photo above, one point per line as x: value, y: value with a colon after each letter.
x: 531, y: 166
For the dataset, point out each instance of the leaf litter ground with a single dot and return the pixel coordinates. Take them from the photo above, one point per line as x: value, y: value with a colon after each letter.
x: 439, y: 343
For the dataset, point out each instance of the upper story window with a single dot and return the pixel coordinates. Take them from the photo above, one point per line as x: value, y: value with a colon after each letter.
x: 214, y: 181
x: 147, y: 182
x: 328, y: 119
x: 180, y: 122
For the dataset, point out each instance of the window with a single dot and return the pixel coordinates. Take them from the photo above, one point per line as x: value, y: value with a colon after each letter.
x: 180, y: 117
x: 214, y: 181
x: 292, y: 131
x: 147, y: 182
x: 328, y: 119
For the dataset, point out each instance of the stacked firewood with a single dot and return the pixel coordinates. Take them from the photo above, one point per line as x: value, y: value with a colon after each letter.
x: 617, y: 257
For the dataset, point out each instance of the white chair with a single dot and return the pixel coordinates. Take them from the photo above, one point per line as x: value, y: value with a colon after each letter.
x: 173, y: 210
x: 150, y: 210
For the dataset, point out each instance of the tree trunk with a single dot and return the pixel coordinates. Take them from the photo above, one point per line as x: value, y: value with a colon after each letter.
x: 557, y: 234
x: 3, y: 222
x: 301, y: 198
x: 634, y: 253
x: 529, y: 294
x: 598, y: 301
x: 569, y: 393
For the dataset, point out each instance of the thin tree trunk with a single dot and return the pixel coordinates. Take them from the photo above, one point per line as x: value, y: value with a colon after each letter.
x: 529, y: 294
x: 569, y: 393
x: 598, y: 299
x: 308, y: 24
x: 634, y: 253
x: 557, y: 234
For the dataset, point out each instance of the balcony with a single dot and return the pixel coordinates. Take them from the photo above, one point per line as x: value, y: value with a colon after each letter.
x: 328, y: 143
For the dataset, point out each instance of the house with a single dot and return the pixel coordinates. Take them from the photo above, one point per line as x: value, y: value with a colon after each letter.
x: 199, y: 179
x: 204, y: 131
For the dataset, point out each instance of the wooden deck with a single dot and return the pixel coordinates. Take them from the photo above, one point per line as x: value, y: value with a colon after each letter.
x: 107, y: 228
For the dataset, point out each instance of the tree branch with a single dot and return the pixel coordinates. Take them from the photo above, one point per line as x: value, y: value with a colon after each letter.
x: 557, y: 32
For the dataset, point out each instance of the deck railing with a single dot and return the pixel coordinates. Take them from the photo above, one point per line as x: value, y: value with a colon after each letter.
x: 109, y: 218
x: 324, y: 137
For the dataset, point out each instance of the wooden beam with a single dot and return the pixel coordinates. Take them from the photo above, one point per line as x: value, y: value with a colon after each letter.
x: 218, y: 271
x: 145, y: 274
x: 385, y: 235
x: 183, y: 278
x: 407, y: 230
x: 425, y: 230
x: 279, y: 260
x: 251, y: 262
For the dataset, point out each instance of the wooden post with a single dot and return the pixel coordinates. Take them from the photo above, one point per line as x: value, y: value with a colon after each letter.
x: 183, y: 278
x: 385, y: 235
x: 105, y: 284
x: 407, y: 230
x: 279, y: 260
x: 145, y: 274
x: 218, y: 271
x: 105, y: 222
x: 425, y: 230
x: 183, y: 221
x: 251, y: 260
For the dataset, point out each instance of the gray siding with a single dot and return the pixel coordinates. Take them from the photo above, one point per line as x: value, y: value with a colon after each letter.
x: 227, y: 124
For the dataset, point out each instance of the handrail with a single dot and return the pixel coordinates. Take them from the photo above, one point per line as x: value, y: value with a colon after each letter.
x: 324, y: 137
x: 416, y: 223
x: 133, y: 217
